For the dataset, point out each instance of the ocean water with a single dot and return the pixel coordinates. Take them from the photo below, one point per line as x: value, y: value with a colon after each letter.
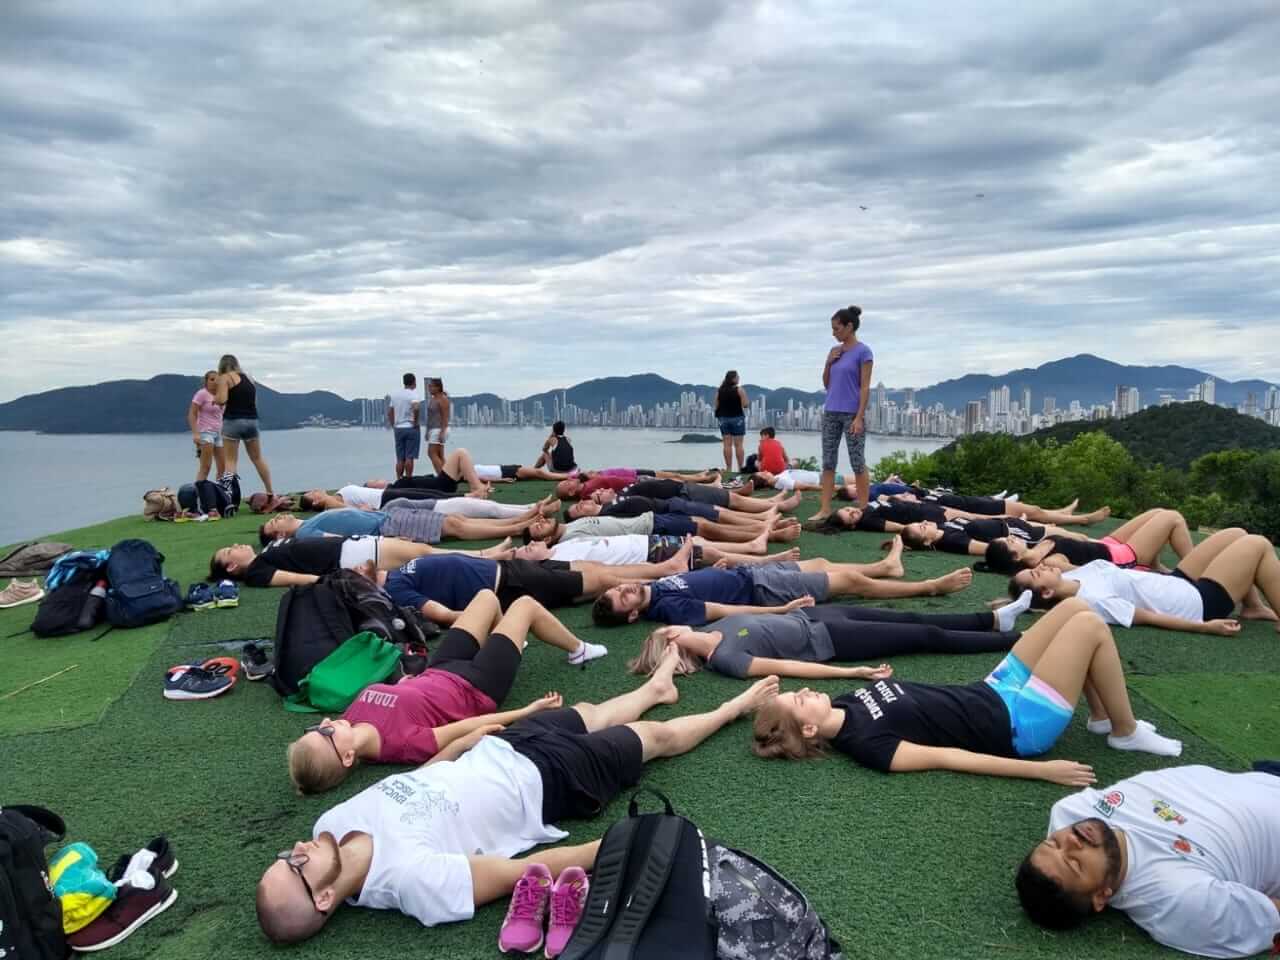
x: 58, y: 482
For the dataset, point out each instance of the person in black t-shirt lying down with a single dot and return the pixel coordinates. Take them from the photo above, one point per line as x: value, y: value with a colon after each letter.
x: 989, y: 727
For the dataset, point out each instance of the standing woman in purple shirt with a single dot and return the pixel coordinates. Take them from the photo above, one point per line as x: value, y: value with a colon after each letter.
x: 847, y: 378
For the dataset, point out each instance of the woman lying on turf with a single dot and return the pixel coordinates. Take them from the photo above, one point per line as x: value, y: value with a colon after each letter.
x: 799, y: 644
x: 1228, y: 568
x: 972, y: 536
x: 1138, y: 543
x: 416, y: 520
x: 988, y: 727
x: 470, y: 673
x: 995, y: 506
x: 892, y: 516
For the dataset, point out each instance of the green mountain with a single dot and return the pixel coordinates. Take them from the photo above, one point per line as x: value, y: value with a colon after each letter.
x: 1174, y: 435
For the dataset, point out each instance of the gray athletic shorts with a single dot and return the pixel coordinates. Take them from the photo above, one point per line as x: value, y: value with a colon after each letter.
x: 421, y: 526
x: 779, y: 583
x: 701, y: 493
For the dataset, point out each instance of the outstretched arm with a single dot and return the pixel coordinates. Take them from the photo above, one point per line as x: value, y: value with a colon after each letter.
x: 286, y: 578
x: 718, y: 611
x: 439, y: 613
x: 489, y: 722
x: 495, y: 877
x: 1148, y: 618
x: 765, y: 667
x: 912, y: 757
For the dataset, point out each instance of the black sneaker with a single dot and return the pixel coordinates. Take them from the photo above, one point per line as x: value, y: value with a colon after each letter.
x: 189, y: 682
x: 256, y: 662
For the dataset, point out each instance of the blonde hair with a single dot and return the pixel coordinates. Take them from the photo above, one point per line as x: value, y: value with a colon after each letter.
x: 776, y: 735
x: 228, y: 364
x: 651, y: 655
x: 310, y: 775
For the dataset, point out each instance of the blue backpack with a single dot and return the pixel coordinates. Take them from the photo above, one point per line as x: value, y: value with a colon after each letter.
x: 138, y: 592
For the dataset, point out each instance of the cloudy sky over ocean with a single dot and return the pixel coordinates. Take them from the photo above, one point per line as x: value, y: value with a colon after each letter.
x: 520, y: 195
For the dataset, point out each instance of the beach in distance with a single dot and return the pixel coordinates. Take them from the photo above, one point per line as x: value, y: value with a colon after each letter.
x: 60, y: 482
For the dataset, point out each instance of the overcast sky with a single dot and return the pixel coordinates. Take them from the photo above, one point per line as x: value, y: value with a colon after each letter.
x: 520, y: 195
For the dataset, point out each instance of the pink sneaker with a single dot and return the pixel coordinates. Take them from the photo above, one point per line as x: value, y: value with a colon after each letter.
x: 522, y: 929
x: 568, y: 900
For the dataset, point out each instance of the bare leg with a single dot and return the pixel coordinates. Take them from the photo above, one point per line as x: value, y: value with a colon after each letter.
x: 863, y: 481
x: 697, y: 476
x: 1084, y: 650
x: 737, y: 518
x: 659, y: 688
x: 479, y: 617
x: 206, y: 460
x: 738, y: 448
x: 851, y: 583
x: 1126, y: 530
x: 1207, y: 550
x: 723, y: 533
x: 408, y: 467
x: 712, y: 556
x: 460, y: 466
x: 1166, y: 528
x: 828, y: 491
x: 254, y: 448
x: 465, y: 528
x: 755, y: 547
x: 232, y: 454
x: 435, y: 453
x: 478, y: 509
x: 749, y: 504
x: 726, y: 444
x: 674, y: 737
x: 219, y: 460
x: 526, y: 615
x: 1030, y: 511
x: 889, y: 566
x: 1250, y: 561
x: 596, y: 573
x: 537, y: 473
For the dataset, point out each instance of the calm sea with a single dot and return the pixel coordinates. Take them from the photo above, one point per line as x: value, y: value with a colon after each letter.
x: 51, y: 483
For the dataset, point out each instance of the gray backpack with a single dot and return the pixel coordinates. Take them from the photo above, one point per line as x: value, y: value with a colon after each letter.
x: 761, y: 915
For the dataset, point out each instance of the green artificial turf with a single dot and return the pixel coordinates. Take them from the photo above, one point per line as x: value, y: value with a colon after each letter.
x: 913, y: 865
x: 1239, y: 713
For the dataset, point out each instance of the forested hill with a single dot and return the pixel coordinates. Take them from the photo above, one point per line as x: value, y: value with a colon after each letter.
x: 1174, y: 435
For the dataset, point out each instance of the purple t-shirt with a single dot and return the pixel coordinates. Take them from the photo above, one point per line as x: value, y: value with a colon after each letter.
x: 846, y: 379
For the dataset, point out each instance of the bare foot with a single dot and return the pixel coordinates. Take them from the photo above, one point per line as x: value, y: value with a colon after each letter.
x: 679, y: 562
x: 480, y: 493
x: 1099, y: 515
x: 1071, y: 507
x: 662, y: 680
x: 784, y: 556
x: 754, y: 697
x: 786, y: 504
x: 1258, y: 613
x: 498, y: 550
x: 549, y: 506
x: 747, y: 489
x: 893, y: 560
x: 816, y: 520
x: 785, y: 534
x: 954, y: 581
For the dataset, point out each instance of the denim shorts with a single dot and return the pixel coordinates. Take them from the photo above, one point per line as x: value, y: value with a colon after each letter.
x: 240, y: 429
x: 408, y: 443
x: 733, y: 426
x: 834, y: 425
x: 211, y: 436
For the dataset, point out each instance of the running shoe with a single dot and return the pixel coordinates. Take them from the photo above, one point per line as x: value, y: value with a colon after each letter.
x: 226, y: 594
x: 19, y: 592
x: 568, y: 901
x: 221, y: 667
x: 137, y: 901
x: 522, y: 928
x: 190, y: 682
x: 255, y: 660
x: 200, y: 597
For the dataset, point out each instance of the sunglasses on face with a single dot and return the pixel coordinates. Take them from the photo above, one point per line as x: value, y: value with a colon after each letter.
x: 296, y: 862
x: 327, y: 731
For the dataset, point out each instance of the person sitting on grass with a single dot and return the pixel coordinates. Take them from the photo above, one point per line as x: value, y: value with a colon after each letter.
x: 295, y: 563
x: 416, y: 520
x: 1191, y: 854
x: 637, y: 548
x: 1228, y: 568
x: 436, y: 842
x: 756, y: 537
x: 892, y: 516
x: 557, y: 451
x: 771, y: 455
x: 705, y: 595
x: 990, y: 727
x: 441, y: 587
x: 1138, y: 543
x: 588, y: 482
x: 470, y: 673
x: 801, y: 643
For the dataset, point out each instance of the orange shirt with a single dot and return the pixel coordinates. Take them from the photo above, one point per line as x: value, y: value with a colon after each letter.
x: 771, y: 456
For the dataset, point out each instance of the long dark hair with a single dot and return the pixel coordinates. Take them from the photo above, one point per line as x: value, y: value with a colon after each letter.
x: 999, y: 559
x: 728, y: 389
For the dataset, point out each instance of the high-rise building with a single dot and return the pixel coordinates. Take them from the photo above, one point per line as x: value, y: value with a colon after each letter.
x: 973, y: 416
x: 1050, y: 406
x: 1126, y: 402
x: 1026, y: 400
x: 1272, y: 400
x: 1208, y: 391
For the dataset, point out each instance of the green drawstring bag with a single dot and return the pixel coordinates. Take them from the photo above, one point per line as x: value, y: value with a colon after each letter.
x: 337, y: 679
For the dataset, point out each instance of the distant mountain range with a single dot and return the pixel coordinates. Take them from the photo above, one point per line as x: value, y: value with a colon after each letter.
x: 159, y: 405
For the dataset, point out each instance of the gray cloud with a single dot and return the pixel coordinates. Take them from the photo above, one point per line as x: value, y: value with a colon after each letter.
x: 527, y: 194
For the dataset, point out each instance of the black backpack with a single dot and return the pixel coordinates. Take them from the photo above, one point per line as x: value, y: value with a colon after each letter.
x: 30, y: 915
x: 60, y: 608
x: 138, y: 592
x: 650, y: 889
x: 313, y: 621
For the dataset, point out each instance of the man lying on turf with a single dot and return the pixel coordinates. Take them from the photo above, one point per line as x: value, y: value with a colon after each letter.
x: 436, y: 842
x: 1191, y: 854
x: 290, y: 563
x: 608, y: 503
x: 988, y: 727
x: 470, y: 673
x: 587, y: 482
x: 695, y: 598
x: 416, y: 520
x: 717, y: 496
x: 442, y: 586
x: 755, y: 535
x: 638, y: 548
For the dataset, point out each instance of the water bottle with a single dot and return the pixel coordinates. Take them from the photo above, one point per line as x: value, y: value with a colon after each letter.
x: 91, y: 612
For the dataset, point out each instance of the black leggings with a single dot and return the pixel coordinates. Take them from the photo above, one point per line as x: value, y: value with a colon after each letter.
x: 869, y: 633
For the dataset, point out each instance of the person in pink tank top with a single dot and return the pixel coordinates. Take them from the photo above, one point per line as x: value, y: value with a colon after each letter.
x: 204, y: 417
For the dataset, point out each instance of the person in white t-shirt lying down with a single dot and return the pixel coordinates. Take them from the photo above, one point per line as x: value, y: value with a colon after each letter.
x: 438, y: 841
x: 1228, y: 568
x: 629, y: 548
x: 1191, y: 854
x: 354, y: 496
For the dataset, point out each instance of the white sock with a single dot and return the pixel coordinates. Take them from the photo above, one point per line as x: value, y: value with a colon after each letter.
x: 587, y: 651
x: 1000, y: 495
x: 1104, y: 725
x: 1012, y: 498
x: 1007, y: 615
x: 1146, y: 740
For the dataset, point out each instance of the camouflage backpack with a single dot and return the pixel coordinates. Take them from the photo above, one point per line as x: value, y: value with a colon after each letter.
x: 761, y: 915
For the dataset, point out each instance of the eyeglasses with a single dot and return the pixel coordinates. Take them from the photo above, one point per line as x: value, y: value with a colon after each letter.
x: 327, y: 731
x: 296, y: 862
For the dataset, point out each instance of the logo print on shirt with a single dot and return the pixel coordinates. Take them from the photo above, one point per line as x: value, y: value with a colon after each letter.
x: 1185, y: 847
x: 1166, y: 813
x: 425, y: 807
x: 1109, y: 803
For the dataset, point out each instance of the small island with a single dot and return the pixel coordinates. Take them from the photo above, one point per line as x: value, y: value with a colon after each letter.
x: 696, y: 438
